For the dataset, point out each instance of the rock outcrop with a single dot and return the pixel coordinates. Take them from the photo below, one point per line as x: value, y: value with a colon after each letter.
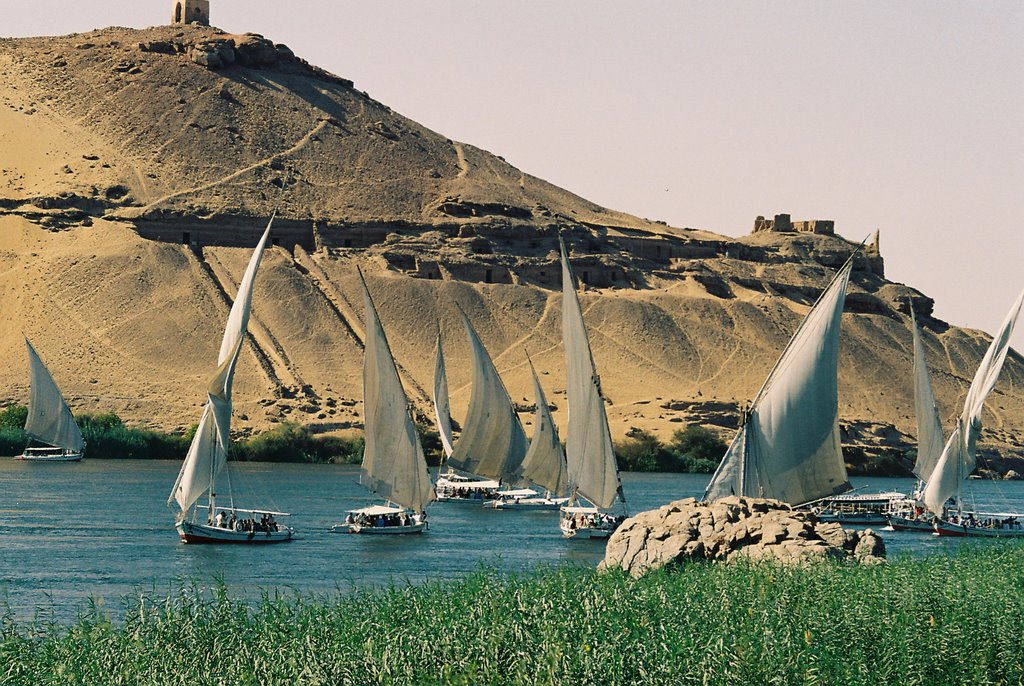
x: 731, y: 528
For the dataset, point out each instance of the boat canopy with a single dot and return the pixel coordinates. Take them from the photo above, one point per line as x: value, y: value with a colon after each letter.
x: 465, y: 482
x: 518, y: 493
x: 380, y: 510
x: 579, y: 509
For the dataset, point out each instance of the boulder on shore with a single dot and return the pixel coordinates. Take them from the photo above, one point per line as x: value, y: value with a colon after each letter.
x: 732, y: 528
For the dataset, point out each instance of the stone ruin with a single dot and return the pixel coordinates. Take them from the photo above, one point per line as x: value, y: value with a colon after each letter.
x: 191, y: 12
x: 734, y: 528
x: 782, y: 223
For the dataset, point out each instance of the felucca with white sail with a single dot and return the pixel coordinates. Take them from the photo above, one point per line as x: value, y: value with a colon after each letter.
x: 544, y: 464
x: 393, y: 464
x: 908, y: 514
x: 452, y: 486
x: 213, y: 522
x: 590, y: 457
x: 492, y: 444
x: 788, y: 446
x: 959, y: 458
x: 54, y: 435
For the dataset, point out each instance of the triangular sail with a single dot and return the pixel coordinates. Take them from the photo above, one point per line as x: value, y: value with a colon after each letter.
x: 442, y: 410
x: 589, y: 453
x: 544, y: 463
x: 788, y: 448
x: 209, y: 449
x: 958, y: 457
x: 49, y: 419
x: 492, y: 443
x: 929, y: 425
x: 393, y: 464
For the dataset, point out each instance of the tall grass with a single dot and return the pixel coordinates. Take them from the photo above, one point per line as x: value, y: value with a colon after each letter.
x: 938, y: 620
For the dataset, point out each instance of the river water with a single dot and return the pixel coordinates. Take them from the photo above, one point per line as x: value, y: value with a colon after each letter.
x: 100, y: 530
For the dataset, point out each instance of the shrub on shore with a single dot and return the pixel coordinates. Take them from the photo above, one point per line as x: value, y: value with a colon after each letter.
x: 693, y: 449
x: 938, y: 620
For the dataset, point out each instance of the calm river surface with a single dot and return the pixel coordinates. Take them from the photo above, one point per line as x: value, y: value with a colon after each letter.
x: 100, y: 530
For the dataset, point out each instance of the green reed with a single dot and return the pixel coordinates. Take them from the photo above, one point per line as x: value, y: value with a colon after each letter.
x: 939, y: 620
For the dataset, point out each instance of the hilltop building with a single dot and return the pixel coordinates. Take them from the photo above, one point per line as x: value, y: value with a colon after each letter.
x: 783, y: 224
x: 191, y: 11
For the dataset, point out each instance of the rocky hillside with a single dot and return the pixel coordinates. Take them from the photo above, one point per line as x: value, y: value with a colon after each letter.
x: 138, y: 167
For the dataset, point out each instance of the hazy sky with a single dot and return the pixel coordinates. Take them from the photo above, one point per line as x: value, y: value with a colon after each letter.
x: 903, y: 116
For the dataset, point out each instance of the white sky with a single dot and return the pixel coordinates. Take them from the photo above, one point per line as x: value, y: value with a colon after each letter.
x: 905, y: 116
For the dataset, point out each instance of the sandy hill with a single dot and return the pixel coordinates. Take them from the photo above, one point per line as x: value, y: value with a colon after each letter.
x: 137, y: 168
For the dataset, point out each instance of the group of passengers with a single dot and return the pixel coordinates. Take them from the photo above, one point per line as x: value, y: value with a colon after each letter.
x: 972, y: 522
x: 403, y: 518
x: 467, y: 493
x: 595, y: 520
x: 265, y: 524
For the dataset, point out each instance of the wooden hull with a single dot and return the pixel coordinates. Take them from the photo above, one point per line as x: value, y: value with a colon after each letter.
x: 381, y: 530
x: 190, y: 532
x: 56, y: 457
x: 898, y: 523
x: 944, y: 528
x: 529, y: 504
x: 585, y: 532
x: 855, y: 518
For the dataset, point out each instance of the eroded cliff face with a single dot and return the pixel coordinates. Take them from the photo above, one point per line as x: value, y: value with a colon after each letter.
x: 137, y: 172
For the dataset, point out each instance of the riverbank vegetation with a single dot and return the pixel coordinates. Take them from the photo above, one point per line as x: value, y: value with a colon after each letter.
x: 937, y: 620
x: 693, y: 449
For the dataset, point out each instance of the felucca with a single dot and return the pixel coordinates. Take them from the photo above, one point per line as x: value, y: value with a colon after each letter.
x: 959, y: 458
x: 590, y: 457
x: 492, y: 443
x: 50, y: 424
x: 207, y: 456
x: 788, y: 445
x: 909, y: 514
x: 452, y: 486
x: 544, y: 464
x: 393, y: 464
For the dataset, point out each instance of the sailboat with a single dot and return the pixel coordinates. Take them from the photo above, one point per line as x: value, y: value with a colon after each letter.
x: 590, y: 457
x: 452, y: 486
x: 50, y: 424
x: 788, y: 445
x: 492, y: 443
x: 908, y: 514
x: 544, y: 464
x: 959, y: 457
x: 207, y: 455
x: 393, y: 464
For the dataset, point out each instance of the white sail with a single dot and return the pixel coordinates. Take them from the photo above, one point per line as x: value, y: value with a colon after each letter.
x: 788, y: 448
x: 590, y: 456
x: 442, y: 410
x: 544, y: 463
x: 49, y: 419
x: 209, y: 449
x: 929, y: 425
x: 393, y: 464
x: 958, y: 457
x: 492, y: 443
